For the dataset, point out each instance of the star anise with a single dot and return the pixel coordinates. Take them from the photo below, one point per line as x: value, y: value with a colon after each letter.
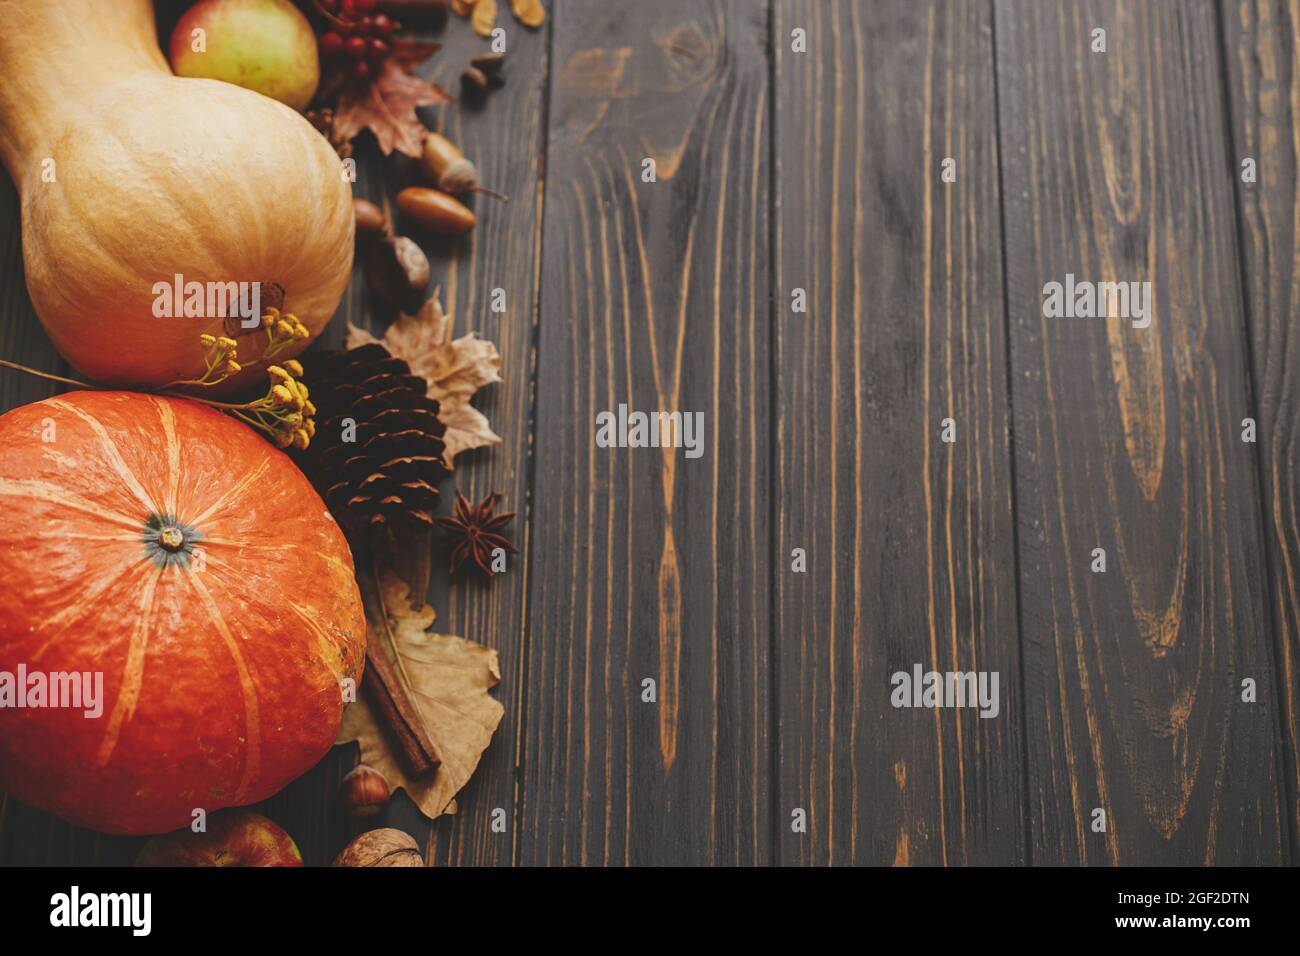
x: 475, y: 532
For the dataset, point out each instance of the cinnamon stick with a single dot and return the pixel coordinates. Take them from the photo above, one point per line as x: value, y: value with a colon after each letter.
x: 397, y: 715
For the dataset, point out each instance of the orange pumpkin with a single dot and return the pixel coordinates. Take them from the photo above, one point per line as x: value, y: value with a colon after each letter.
x: 173, y: 550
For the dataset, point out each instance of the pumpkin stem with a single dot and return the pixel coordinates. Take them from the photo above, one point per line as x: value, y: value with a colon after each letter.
x: 171, y: 538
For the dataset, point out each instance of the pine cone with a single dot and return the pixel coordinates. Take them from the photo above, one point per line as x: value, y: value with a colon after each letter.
x: 383, y: 470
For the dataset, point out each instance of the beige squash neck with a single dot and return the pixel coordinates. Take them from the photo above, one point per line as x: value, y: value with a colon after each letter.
x: 55, y: 54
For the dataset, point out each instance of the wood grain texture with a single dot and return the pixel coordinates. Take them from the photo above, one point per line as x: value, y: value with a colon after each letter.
x: 21, y: 337
x: 503, y: 134
x: 821, y: 171
x: 1262, y: 55
x: 909, y: 540
x: 647, y: 564
x: 1114, y: 169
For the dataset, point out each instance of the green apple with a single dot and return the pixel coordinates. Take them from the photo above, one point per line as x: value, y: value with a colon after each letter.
x: 262, y: 45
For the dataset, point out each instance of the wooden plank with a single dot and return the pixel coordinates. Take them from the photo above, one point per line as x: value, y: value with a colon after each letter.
x: 1263, y: 65
x: 21, y: 337
x: 646, y: 563
x: 908, y: 540
x: 28, y: 836
x: 1128, y: 439
x: 503, y: 134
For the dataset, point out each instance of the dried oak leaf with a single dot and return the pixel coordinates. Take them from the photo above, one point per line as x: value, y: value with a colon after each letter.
x: 387, y: 106
x: 447, y: 679
x: 454, y: 368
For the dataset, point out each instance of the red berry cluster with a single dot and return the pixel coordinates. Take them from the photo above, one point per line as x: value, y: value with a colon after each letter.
x: 358, y: 39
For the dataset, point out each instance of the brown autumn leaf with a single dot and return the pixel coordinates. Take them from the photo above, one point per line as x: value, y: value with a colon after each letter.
x: 387, y: 106
x: 454, y: 368
x: 447, y: 679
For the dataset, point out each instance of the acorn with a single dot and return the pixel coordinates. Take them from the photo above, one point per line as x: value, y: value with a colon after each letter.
x: 436, y: 211
x: 450, y: 171
x: 365, y: 791
x: 370, y: 218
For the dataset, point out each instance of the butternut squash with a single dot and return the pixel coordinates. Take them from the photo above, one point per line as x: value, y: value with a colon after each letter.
x: 130, y: 177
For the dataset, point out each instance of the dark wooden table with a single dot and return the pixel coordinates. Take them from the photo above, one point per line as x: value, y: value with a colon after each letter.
x: 822, y: 171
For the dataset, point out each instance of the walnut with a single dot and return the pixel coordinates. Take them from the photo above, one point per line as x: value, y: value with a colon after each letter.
x: 386, y: 847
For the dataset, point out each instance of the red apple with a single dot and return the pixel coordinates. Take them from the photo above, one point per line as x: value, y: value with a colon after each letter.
x: 233, y: 838
x: 262, y: 45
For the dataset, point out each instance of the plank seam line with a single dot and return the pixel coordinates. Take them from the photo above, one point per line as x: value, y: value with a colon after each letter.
x: 1008, y: 374
x: 526, y: 648
x: 773, y: 457
x: 1281, y: 737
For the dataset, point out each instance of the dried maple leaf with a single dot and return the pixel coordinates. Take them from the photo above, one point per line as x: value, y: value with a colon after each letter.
x: 387, y: 106
x: 455, y: 370
x: 447, y: 679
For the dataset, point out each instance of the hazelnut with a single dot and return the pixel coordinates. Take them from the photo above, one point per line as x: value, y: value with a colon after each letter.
x: 364, y: 791
x: 386, y: 847
x: 397, y: 271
